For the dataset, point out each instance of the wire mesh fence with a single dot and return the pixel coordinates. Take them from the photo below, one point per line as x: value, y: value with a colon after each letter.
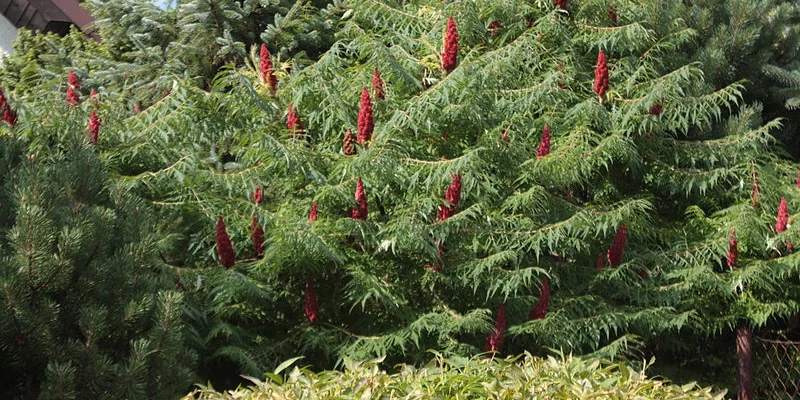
x: 777, y: 369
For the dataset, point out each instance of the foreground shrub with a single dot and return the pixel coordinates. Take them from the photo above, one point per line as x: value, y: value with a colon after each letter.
x: 475, y: 378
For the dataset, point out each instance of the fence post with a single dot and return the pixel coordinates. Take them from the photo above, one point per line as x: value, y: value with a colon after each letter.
x: 744, y: 350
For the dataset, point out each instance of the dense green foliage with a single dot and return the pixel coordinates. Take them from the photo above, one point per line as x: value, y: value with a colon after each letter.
x: 791, y: 79
x: 149, y: 47
x: 672, y: 150
x: 511, y: 378
x: 87, y: 310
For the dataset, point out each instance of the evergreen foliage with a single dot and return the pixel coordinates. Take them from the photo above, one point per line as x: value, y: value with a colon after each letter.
x: 87, y: 309
x: 735, y: 39
x: 738, y: 37
x: 149, y: 46
x: 580, y: 170
x: 786, y: 78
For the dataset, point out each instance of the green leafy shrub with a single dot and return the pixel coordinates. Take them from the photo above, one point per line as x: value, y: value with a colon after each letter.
x: 663, y: 152
x: 478, y: 378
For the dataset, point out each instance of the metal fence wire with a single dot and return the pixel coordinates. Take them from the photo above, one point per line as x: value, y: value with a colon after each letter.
x: 777, y: 369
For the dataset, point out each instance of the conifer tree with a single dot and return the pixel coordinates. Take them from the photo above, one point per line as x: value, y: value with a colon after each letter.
x: 148, y: 46
x: 87, y: 311
x: 735, y: 40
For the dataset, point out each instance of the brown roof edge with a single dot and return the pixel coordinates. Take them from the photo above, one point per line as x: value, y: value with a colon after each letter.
x: 78, y: 15
x: 48, y: 15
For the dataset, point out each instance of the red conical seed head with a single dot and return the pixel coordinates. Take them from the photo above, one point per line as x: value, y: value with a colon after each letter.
x: 360, y: 212
x: 539, y: 310
x: 501, y: 318
x: 783, y: 216
x: 544, y: 145
x: 453, y: 196
x: 494, y: 27
x: 312, y: 214
x: 3, y: 101
x: 73, y: 98
x: 366, y: 119
x: 265, y: 63
x: 618, y: 246
x: 601, y: 75
x: 94, y: 127
x: 9, y: 116
x: 453, y: 193
x: 656, y: 109
x: 377, y: 85
x: 293, y: 121
x: 441, y: 213
x: 73, y: 81
x: 267, y: 75
x: 733, y: 250
x: 612, y: 13
x: 73, y: 87
x: 348, y: 145
x: 258, y: 196
x: 227, y: 257
x: 450, y: 53
x: 561, y: 4
x: 494, y: 342
x: 258, y: 237
x: 310, y: 301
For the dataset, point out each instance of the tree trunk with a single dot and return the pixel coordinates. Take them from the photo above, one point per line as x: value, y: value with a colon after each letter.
x: 744, y: 341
